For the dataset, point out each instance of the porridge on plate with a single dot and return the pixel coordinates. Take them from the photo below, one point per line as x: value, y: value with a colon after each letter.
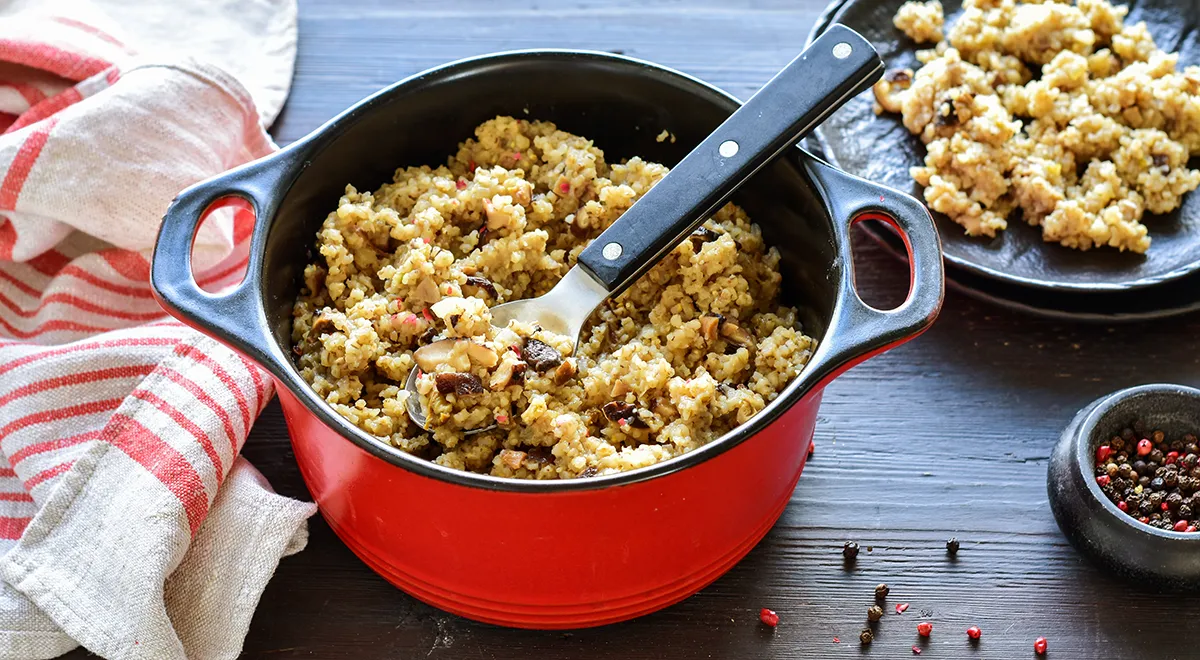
x: 404, y: 277
x: 1057, y: 112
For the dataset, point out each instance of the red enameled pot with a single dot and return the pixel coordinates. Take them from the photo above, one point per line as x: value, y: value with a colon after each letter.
x: 548, y: 554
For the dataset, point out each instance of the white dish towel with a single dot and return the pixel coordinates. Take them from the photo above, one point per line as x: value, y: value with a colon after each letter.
x: 128, y: 522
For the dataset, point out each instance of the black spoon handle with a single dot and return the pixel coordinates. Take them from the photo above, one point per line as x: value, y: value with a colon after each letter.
x: 834, y: 68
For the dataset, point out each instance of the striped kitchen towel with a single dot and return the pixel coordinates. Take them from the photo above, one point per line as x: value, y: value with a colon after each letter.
x: 128, y: 522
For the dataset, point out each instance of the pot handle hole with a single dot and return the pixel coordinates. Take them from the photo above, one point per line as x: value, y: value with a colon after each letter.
x: 860, y: 330
x: 232, y: 314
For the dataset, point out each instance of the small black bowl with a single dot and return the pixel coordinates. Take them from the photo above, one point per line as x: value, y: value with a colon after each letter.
x: 1095, y: 526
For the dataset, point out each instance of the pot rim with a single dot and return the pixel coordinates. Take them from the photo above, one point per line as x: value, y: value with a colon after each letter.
x: 1084, y: 453
x: 830, y: 359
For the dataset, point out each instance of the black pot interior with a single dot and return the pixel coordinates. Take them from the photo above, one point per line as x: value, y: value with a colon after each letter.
x: 620, y: 104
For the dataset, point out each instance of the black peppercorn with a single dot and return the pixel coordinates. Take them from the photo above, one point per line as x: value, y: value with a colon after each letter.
x: 850, y: 550
x: 1143, y: 481
x: 1127, y: 434
x: 1157, y: 483
x: 952, y: 547
x: 1188, y: 461
x: 1176, y: 445
x: 874, y: 613
x: 881, y: 591
x: 866, y: 636
x: 1170, y: 479
x: 1124, y: 470
x: 1157, y: 497
x: 1117, y: 443
x: 1139, y: 467
x: 1185, y: 511
x: 1174, y: 500
x: 1146, y: 507
x: 1156, y: 456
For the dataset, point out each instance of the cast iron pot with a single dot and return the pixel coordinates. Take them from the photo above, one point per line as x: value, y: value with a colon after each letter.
x: 560, y: 554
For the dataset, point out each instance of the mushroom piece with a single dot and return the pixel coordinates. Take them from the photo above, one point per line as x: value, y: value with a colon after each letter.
x: 618, y: 411
x: 512, y: 458
x: 431, y: 356
x: 427, y: 290
x: 736, y: 334
x: 482, y: 355
x: 710, y: 326
x: 619, y: 389
x: 323, y: 325
x: 508, y: 371
x: 498, y: 217
x: 564, y: 372
x: 458, y: 383
x: 481, y: 283
x: 701, y: 236
x: 540, y: 355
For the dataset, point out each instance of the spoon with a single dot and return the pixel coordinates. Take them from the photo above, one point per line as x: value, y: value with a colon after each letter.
x: 834, y: 68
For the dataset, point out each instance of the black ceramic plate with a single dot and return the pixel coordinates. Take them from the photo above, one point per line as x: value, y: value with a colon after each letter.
x: 1175, y: 298
x: 881, y: 149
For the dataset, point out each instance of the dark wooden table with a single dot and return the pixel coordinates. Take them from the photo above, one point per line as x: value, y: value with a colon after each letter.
x: 946, y: 436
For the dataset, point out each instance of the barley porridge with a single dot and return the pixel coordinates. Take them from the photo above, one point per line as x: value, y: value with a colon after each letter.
x: 405, y: 277
x: 1056, y: 112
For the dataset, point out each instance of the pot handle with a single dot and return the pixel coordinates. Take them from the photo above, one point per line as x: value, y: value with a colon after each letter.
x: 234, y: 316
x: 858, y: 330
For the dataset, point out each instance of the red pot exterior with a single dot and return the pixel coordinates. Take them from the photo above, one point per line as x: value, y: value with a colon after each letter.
x: 553, y: 560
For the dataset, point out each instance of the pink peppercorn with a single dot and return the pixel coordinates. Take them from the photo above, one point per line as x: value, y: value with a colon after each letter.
x: 1039, y: 646
x: 1181, y: 526
x: 1102, y: 480
x: 461, y: 184
x: 924, y: 628
x: 974, y: 632
x: 1172, y: 456
x: 1123, y: 505
x: 768, y: 617
x: 1144, y: 447
x: 1102, y: 453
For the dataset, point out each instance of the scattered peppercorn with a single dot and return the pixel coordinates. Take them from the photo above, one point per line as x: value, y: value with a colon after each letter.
x: 916, y: 651
x: 952, y: 546
x: 768, y: 617
x: 850, y: 550
x: 881, y: 592
x: 1159, y: 488
x: 974, y: 632
x: 1039, y: 646
x: 866, y: 636
x: 874, y: 613
x: 900, y: 607
x: 924, y: 628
